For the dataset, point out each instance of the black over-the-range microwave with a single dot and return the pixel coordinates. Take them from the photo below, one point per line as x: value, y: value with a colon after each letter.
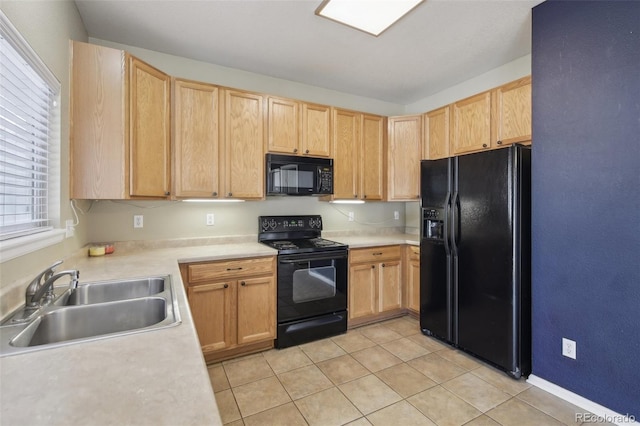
x: 291, y: 175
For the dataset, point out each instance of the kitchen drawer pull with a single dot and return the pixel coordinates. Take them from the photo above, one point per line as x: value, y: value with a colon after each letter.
x: 234, y: 269
x: 379, y: 253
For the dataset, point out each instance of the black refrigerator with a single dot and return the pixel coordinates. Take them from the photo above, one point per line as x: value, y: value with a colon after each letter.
x: 475, y: 255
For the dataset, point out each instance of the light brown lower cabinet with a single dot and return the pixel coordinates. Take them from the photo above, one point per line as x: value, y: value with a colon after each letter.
x: 375, y: 284
x: 412, y: 256
x: 233, y: 305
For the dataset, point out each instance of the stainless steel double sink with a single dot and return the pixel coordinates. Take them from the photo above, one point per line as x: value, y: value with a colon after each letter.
x: 94, y: 310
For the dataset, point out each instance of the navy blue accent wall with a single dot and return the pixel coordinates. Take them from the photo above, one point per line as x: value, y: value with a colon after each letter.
x: 586, y: 198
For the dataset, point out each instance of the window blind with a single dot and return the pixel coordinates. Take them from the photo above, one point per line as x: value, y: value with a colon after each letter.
x: 28, y: 97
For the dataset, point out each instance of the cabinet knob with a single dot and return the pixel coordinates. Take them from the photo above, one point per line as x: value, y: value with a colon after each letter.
x: 364, y: 196
x: 229, y: 194
x: 167, y: 193
x: 499, y: 142
x: 226, y: 286
x: 355, y: 195
x: 307, y: 151
x: 484, y: 145
x: 383, y: 265
x: 242, y: 283
x: 373, y: 266
x: 295, y: 150
x: 215, y: 194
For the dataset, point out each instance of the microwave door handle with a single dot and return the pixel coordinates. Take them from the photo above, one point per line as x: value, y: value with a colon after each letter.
x: 318, y: 179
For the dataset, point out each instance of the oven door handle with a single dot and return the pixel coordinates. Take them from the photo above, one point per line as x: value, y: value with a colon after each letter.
x: 311, y: 259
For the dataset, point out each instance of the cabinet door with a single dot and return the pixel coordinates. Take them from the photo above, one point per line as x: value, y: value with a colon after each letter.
x: 346, y: 141
x: 471, y: 121
x: 243, y: 145
x: 256, y: 309
x: 436, y: 134
x: 372, y: 157
x: 283, y: 128
x: 389, y: 285
x: 362, y: 290
x: 513, y: 112
x: 405, y: 151
x: 213, y: 311
x: 149, y: 121
x: 98, y: 132
x: 195, y: 143
x: 316, y: 130
x: 413, y: 285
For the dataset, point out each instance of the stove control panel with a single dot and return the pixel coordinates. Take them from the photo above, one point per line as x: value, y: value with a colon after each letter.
x: 289, y: 223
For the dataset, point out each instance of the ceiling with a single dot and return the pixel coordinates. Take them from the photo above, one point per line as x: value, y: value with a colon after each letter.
x: 439, y: 44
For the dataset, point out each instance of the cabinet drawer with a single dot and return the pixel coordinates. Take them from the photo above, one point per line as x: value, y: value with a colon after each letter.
x: 414, y: 253
x: 374, y: 254
x: 214, y: 271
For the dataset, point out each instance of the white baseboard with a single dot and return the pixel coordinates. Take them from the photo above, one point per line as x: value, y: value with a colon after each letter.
x: 602, y: 412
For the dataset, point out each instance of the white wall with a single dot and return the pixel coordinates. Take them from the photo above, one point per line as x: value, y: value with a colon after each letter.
x: 47, y: 26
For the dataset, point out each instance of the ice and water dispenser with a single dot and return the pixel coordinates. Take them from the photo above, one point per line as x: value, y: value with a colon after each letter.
x: 433, y: 224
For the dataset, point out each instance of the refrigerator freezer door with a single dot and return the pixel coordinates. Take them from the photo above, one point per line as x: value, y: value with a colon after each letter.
x: 435, y: 254
x: 485, y: 257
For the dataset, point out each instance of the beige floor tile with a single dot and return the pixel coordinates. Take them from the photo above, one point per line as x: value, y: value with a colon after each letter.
x: 286, y: 414
x: 282, y: 360
x: 476, y: 391
x: 443, y: 407
x: 436, y: 368
x: 362, y: 421
x: 353, y: 341
x: 518, y: 413
x: 369, y: 394
x: 218, y: 378
x: 405, y: 349
x: 501, y: 380
x: 551, y: 405
x: 376, y: 358
x: 342, y: 369
x: 259, y: 396
x: 400, y: 413
x: 236, y: 423
x: 326, y: 408
x: 462, y: 359
x: 322, y: 350
x: 405, y: 380
x: 482, y: 421
x: 412, y: 320
x: 227, y: 406
x: 247, y: 370
x: 379, y: 333
x: 402, y: 326
x: 430, y: 343
x: 304, y: 381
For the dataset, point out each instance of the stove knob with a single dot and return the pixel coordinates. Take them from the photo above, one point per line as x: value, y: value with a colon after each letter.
x: 273, y: 224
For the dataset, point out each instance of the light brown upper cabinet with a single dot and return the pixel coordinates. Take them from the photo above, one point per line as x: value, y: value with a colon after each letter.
x: 471, y: 124
x: 284, y: 126
x: 316, y: 130
x: 196, y: 142
x: 512, y: 116
x: 244, y: 144
x: 358, y: 147
x: 120, y: 126
x: 436, y: 134
x: 404, y: 154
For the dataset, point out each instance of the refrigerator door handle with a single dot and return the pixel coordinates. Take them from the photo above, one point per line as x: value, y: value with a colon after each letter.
x: 447, y: 214
x: 455, y: 222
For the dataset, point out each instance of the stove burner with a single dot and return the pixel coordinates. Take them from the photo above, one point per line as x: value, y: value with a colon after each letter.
x: 283, y: 245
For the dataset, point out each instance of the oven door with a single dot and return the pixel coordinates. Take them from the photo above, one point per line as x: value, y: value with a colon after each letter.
x: 311, y: 284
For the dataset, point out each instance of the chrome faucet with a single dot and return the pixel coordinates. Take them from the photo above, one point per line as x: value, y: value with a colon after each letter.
x: 38, y: 290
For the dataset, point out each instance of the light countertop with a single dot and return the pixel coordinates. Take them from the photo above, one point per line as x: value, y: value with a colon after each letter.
x: 157, y: 377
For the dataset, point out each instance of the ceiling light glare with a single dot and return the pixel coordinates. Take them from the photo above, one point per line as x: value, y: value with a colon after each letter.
x: 370, y: 16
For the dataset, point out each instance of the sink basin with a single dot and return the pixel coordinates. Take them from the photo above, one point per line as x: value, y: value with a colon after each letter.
x: 94, y: 310
x: 88, y: 321
x: 109, y: 291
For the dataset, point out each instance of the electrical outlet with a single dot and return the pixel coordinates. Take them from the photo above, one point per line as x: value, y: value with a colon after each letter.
x: 210, y: 219
x: 138, y: 221
x: 70, y: 229
x: 351, y: 217
x: 569, y: 348
x: 396, y: 215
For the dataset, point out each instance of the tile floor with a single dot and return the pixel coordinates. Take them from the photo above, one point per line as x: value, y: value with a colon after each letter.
x: 382, y: 374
